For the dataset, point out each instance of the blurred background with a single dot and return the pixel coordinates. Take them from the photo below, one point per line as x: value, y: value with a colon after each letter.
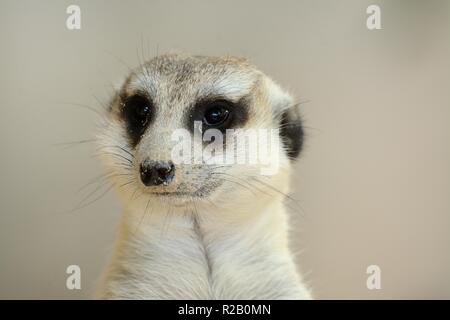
x: 374, y: 178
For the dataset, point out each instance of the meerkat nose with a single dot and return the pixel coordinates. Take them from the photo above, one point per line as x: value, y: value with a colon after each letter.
x: 154, y: 173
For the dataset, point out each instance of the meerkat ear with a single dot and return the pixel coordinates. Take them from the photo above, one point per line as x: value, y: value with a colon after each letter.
x: 291, y: 131
x: 288, y: 116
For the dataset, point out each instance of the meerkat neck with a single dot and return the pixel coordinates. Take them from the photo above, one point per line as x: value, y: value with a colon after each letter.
x: 195, y: 254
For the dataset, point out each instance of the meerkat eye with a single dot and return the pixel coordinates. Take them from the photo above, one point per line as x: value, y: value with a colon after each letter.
x: 137, y: 109
x: 217, y: 114
x: 136, y: 113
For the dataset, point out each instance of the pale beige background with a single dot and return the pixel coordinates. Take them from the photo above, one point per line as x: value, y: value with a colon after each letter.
x: 374, y: 179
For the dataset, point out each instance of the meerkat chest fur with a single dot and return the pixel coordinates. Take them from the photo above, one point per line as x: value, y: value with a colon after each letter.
x: 192, y: 254
x: 201, y: 227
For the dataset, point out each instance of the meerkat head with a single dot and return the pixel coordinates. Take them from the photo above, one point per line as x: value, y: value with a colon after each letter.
x: 182, y: 128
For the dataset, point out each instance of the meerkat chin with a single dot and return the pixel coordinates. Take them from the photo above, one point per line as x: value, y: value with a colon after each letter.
x: 196, y: 229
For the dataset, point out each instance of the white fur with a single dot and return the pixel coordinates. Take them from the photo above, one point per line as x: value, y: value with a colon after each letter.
x: 162, y: 254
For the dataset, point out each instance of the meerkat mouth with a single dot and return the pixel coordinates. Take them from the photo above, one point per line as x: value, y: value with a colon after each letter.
x: 200, y: 192
x: 177, y: 199
x: 173, y: 194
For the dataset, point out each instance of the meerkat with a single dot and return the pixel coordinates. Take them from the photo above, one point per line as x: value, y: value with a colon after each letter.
x: 198, y: 231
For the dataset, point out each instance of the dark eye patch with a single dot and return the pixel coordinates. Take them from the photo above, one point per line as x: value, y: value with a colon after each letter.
x: 137, y: 112
x: 218, y: 113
